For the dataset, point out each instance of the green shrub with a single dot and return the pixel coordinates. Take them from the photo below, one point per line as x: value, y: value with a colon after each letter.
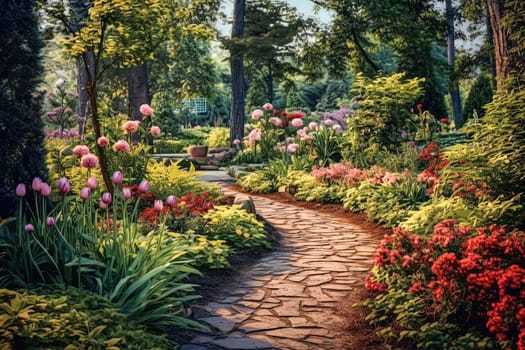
x: 169, y: 146
x: 203, y: 252
x: 219, y: 137
x: 59, y: 317
x: 479, y: 95
x: 237, y: 227
x: 170, y: 179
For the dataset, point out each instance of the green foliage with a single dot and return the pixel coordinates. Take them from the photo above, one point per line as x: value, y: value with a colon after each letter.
x: 219, y: 137
x: 66, y: 318
x: 101, y: 250
x: 326, y: 147
x: 382, y: 114
x: 479, y: 95
x: 237, y: 227
x: 21, y: 136
x: 204, y: 252
x: 402, y: 159
x: 171, y: 179
x: 247, y: 156
x: 423, y: 220
x: 169, y: 146
x: 257, y: 182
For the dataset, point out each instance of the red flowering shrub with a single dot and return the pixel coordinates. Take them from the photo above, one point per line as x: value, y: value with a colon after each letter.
x: 475, y: 278
x: 432, y: 158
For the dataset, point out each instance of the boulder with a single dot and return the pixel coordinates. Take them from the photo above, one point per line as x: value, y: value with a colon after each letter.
x: 218, y: 156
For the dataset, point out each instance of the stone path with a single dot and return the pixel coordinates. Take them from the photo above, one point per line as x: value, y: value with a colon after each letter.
x: 290, y: 298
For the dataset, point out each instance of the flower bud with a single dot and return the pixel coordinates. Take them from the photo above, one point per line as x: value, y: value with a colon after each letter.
x: 63, y: 185
x: 126, y: 192
x: 50, y: 221
x: 21, y: 190
x: 117, y: 177
x: 36, y: 184
x: 85, y: 192
x: 106, y: 198
x: 158, y: 205
x: 144, y: 186
x: 45, y: 189
x: 29, y: 228
x: 171, y: 201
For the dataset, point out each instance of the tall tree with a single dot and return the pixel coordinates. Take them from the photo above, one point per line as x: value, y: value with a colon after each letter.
x: 451, y: 58
x: 271, y: 35
x: 22, y: 154
x: 237, y: 73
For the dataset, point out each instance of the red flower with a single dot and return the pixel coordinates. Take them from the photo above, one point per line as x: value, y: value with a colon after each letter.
x: 444, y: 120
x: 419, y: 106
x: 275, y: 112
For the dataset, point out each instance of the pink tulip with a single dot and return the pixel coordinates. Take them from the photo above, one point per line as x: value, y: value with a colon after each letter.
x: 144, y: 186
x: 106, y: 198
x: 36, y: 185
x: 158, y: 205
x: 267, y: 106
x: 21, y: 190
x: 29, y: 228
x: 102, y: 205
x: 85, y: 192
x: 45, y: 190
x: 171, y: 201
x: 50, y: 221
x: 117, y: 177
x: 92, y: 183
x: 146, y: 110
x: 127, y: 193
x: 103, y: 141
x: 63, y: 185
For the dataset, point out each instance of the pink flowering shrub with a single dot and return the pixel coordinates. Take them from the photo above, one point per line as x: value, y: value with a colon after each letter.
x: 470, y: 281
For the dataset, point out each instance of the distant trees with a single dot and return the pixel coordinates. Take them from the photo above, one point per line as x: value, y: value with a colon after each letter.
x: 22, y: 152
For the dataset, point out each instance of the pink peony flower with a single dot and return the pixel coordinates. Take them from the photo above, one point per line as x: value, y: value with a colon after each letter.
x: 144, y: 186
x: 92, y: 182
x: 63, y: 185
x: 126, y: 192
x: 237, y: 142
x: 313, y: 125
x: 103, y: 141
x: 254, y: 136
x: 50, y: 221
x: 121, y: 146
x: 131, y: 126
x: 155, y: 130
x: 277, y: 122
x: 257, y: 114
x: 328, y: 122
x: 89, y: 161
x: 81, y: 150
x: 158, y: 205
x: 45, y: 189
x: 146, y: 110
x: 296, y: 122
x: 117, y: 177
x: 292, y: 147
x: 337, y: 128
x: 20, y: 190
x: 29, y: 228
x: 267, y: 106
x: 85, y: 192
x: 171, y: 201
x: 36, y: 185
x: 106, y: 198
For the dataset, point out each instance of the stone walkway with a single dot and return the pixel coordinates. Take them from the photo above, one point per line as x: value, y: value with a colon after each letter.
x: 290, y: 298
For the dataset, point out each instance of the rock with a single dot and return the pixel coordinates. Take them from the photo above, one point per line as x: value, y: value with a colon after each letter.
x: 217, y: 156
x: 245, y: 202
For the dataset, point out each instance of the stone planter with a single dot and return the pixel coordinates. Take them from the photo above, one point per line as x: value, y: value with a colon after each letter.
x: 197, y: 151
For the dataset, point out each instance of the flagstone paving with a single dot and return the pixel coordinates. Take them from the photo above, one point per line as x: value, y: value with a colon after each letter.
x: 290, y: 299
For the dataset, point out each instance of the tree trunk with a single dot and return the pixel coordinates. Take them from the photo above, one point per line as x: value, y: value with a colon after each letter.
x: 237, y: 75
x: 451, y: 55
x: 269, y: 83
x: 83, y: 97
x: 138, y: 94
x: 500, y: 39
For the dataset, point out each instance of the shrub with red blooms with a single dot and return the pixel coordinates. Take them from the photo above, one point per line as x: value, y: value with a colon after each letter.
x: 187, y: 206
x: 475, y: 278
x: 432, y: 157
